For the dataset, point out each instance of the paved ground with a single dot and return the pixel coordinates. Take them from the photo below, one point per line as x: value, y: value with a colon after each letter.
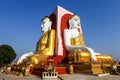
x: 63, y: 77
x: 89, y: 77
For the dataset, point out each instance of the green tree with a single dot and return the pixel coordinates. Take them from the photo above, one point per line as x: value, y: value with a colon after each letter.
x: 7, y: 54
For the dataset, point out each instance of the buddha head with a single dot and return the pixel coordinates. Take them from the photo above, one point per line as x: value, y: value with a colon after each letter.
x: 46, y: 24
x: 74, y: 22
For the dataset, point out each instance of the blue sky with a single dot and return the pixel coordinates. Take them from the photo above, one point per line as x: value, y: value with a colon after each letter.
x: 100, y: 19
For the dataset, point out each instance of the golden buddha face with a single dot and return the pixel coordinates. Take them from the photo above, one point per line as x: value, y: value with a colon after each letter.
x: 46, y: 24
x: 74, y: 22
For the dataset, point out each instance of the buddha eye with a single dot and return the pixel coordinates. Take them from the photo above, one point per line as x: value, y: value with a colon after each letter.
x: 76, y: 19
x: 43, y: 22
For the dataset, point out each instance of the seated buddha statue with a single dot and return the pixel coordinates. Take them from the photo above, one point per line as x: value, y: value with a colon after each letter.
x: 46, y: 44
x: 74, y: 42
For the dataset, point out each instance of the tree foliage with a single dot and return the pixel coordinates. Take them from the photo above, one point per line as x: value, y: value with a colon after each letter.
x: 7, y: 54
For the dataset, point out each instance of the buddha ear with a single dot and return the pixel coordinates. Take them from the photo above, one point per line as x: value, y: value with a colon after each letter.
x: 70, y: 26
x: 50, y: 25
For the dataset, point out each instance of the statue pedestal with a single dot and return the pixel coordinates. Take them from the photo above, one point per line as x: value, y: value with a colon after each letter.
x: 97, y: 69
x: 61, y: 70
x: 36, y: 71
x: 87, y: 68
